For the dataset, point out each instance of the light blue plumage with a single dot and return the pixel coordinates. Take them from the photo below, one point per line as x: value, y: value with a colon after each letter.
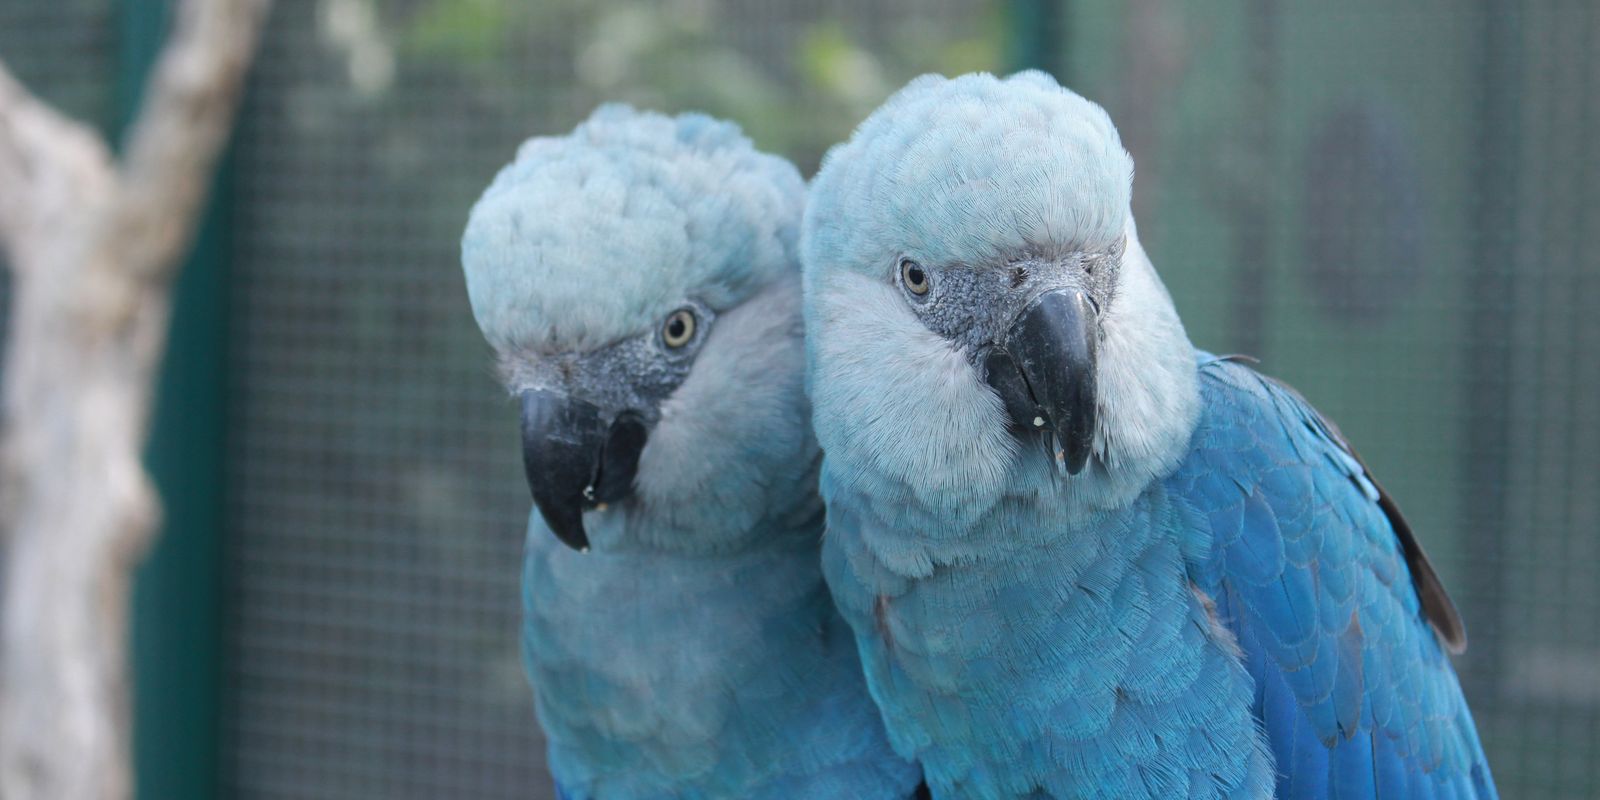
x: 1081, y: 558
x: 638, y: 279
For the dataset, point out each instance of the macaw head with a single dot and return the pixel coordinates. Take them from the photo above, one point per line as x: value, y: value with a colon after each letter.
x: 637, y: 279
x: 978, y: 299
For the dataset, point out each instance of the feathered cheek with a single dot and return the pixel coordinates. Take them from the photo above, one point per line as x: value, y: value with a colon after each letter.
x: 895, y: 398
x: 671, y: 464
x: 965, y: 447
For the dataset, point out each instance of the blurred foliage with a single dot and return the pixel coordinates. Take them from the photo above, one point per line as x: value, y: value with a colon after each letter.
x: 796, y: 87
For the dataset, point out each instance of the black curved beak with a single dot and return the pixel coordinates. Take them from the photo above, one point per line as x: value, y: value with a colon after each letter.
x: 575, y: 461
x: 1045, y: 373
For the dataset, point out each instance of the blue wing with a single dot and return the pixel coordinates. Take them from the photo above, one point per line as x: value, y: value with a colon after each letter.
x: 920, y: 793
x: 1339, y: 617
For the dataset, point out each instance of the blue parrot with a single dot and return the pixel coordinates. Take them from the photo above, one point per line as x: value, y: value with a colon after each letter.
x: 638, y: 280
x: 1080, y: 557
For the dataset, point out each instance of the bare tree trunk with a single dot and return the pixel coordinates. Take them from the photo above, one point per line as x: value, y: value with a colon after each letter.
x: 94, y: 245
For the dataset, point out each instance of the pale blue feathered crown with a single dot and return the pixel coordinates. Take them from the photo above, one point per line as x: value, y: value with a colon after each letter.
x: 957, y: 170
x: 597, y: 235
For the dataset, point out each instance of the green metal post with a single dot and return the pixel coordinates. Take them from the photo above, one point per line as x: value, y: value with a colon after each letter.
x: 177, y: 592
x: 1488, y: 349
x: 1038, y: 35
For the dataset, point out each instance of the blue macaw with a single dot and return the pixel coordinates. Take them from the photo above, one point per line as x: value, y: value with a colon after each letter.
x: 639, y: 281
x: 1080, y: 557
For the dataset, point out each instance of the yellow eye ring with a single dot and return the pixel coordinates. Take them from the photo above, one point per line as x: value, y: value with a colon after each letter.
x: 914, y: 277
x: 678, y: 330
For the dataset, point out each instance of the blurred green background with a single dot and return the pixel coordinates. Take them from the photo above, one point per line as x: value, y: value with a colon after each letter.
x: 1396, y: 209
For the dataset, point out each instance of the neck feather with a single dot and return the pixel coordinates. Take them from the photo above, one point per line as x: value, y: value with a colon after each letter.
x: 1149, y: 390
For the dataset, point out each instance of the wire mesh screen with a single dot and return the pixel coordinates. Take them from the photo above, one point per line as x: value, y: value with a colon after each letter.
x: 1397, y: 211
x: 376, y: 495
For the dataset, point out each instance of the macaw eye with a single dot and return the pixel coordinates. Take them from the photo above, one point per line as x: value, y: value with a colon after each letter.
x: 914, y: 277
x: 678, y: 329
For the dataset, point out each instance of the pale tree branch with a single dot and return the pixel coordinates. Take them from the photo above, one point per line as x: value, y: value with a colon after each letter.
x: 174, y: 142
x: 94, y: 245
x: 47, y: 161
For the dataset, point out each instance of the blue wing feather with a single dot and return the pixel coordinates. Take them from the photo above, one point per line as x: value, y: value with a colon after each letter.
x: 1333, y: 603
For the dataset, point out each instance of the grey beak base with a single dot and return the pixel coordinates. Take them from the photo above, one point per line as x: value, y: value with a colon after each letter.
x: 1005, y: 377
x: 574, y: 461
x: 619, y: 458
x: 1045, y: 372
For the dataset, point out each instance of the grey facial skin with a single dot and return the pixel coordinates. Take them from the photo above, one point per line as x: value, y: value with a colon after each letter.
x: 586, y: 417
x: 1031, y: 328
x: 637, y: 373
x: 974, y: 306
